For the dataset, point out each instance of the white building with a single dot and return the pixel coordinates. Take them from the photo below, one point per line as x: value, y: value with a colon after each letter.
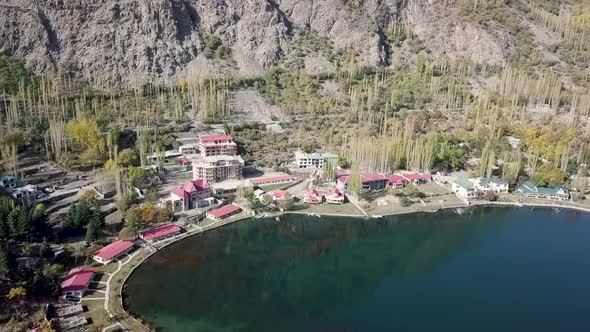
x: 314, y: 160
x: 491, y: 184
x: 464, y: 188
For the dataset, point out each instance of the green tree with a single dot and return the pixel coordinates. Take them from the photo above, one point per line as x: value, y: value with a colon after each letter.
x: 134, y: 219
x: 45, y: 249
x: 343, y: 162
x: 128, y: 157
x: 92, y: 232
x: 5, y: 262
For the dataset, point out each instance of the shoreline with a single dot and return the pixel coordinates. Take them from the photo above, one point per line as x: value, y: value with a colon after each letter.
x: 195, y: 231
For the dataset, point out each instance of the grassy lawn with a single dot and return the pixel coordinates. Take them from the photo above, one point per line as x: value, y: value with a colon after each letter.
x: 95, y: 313
x: 273, y: 187
x: 109, y: 268
x: 432, y: 188
x: 347, y: 208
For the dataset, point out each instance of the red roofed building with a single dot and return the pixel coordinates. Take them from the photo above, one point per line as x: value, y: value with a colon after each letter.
x: 192, y: 195
x: 160, y: 232
x: 335, y: 196
x: 224, y: 212
x: 397, y: 181
x: 273, y: 180
x: 370, y: 182
x: 112, y: 251
x: 417, y: 178
x: 312, y: 196
x: 76, y: 283
x: 280, y: 195
x: 217, y: 146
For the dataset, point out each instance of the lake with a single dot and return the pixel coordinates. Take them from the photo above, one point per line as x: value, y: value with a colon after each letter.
x: 485, y: 269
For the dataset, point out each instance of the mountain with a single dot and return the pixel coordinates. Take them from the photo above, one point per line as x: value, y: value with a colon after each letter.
x: 130, y: 41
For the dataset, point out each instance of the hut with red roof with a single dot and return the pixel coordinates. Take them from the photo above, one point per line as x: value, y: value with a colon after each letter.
x: 76, y: 283
x: 312, y: 196
x: 112, y: 251
x: 224, y: 212
x: 335, y: 196
x: 160, y: 232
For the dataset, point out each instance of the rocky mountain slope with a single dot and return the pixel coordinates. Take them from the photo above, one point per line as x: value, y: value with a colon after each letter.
x: 129, y: 41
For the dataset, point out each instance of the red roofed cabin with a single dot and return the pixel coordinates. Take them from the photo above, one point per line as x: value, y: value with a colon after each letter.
x: 370, y: 182
x: 273, y: 180
x: 192, y: 195
x: 397, y: 181
x: 160, y: 232
x: 335, y: 196
x: 217, y: 146
x: 76, y: 283
x: 112, y: 251
x: 224, y: 212
x: 312, y: 196
x: 417, y: 178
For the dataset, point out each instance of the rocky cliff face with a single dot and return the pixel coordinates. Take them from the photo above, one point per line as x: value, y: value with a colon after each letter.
x: 106, y: 41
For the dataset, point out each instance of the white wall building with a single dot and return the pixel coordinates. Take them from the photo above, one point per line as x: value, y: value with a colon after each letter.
x: 314, y: 160
x: 464, y: 188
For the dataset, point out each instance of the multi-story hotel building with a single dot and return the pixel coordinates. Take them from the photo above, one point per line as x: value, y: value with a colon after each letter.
x: 218, y: 161
x: 217, y: 146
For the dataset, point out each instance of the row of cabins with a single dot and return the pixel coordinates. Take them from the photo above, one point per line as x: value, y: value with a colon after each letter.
x: 376, y: 182
x: 469, y: 188
x: 334, y: 196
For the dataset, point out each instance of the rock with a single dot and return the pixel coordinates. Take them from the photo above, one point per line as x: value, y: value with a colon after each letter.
x: 135, y: 41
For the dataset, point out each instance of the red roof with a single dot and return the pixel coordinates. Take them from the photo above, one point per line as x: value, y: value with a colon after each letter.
x: 282, y: 178
x: 113, y: 250
x: 215, y: 138
x: 77, y: 279
x: 189, y: 187
x: 398, y: 179
x: 344, y: 179
x: 417, y: 176
x: 279, y: 194
x: 178, y: 191
x: 335, y: 191
x: 341, y: 172
x: 224, y: 211
x: 370, y: 177
x: 184, y: 160
x: 161, y: 231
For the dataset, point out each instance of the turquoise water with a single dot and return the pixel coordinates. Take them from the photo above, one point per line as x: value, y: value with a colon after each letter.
x: 488, y: 269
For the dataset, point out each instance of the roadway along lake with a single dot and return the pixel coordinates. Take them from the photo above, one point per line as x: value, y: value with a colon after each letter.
x: 487, y: 269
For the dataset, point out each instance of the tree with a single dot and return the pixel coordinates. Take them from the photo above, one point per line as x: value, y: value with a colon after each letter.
x: 307, y: 148
x: 548, y: 175
x: 5, y: 262
x: 92, y: 232
x: 89, y: 197
x: 16, y: 293
x: 134, y: 219
x: 287, y: 204
x: 581, y: 180
x: 45, y: 250
x: 128, y: 157
x: 343, y: 162
x: 136, y: 174
x: 127, y: 233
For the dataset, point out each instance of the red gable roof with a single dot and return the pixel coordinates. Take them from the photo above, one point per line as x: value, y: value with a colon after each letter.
x: 224, y: 211
x: 370, y: 177
x: 335, y: 191
x: 394, y: 178
x: 158, y: 232
x: 113, y: 250
x: 279, y: 194
x: 77, y: 279
x: 282, y: 178
x: 215, y: 138
x: 341, y: 172
x: 344, y: 179
x: 178, y: 191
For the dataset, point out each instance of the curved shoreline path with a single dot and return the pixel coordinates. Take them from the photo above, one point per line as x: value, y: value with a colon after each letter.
x: 129, y: 323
